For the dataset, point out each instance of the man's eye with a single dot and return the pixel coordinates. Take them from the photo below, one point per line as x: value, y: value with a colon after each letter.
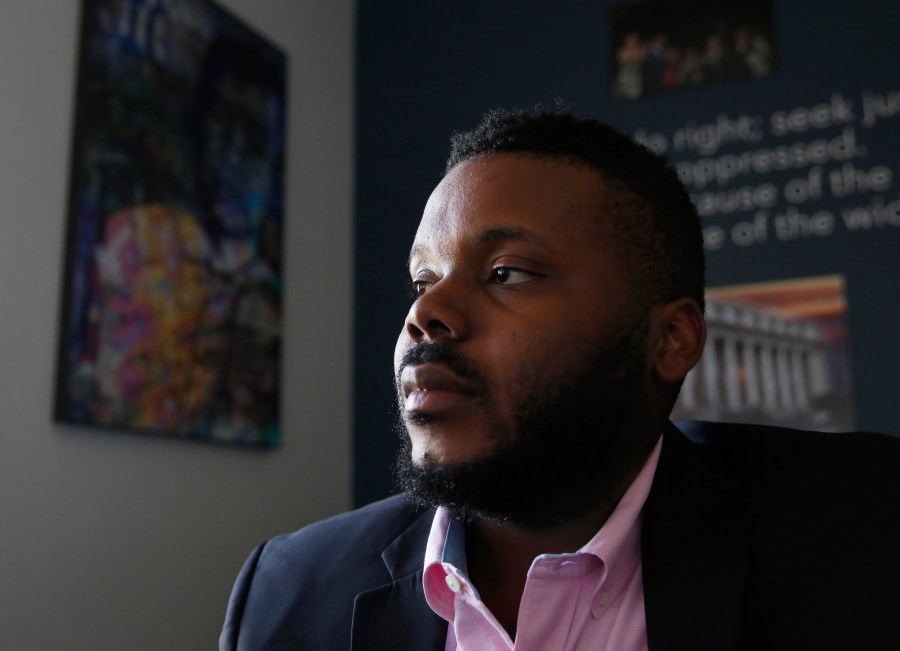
x: 418, y: 287
x: 510, y: 276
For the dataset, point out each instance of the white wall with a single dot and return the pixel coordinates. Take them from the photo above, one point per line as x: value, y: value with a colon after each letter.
x: 111, y: 541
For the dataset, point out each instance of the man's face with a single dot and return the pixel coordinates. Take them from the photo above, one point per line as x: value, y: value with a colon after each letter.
x: 522, y: 315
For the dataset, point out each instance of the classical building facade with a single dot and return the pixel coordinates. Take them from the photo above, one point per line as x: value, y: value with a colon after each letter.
x: 763, y: 367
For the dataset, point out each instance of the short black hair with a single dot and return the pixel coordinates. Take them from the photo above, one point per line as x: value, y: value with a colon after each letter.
x: 657, y: 227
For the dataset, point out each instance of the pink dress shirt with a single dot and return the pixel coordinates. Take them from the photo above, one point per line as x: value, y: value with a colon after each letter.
x: 591, y: 599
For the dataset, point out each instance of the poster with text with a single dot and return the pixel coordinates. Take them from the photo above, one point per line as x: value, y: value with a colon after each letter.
x: 795, y: 178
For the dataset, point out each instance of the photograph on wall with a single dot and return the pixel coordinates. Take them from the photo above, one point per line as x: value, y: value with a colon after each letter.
x: 664, y: 45
x: 172, y: 299
x: 777, y: 353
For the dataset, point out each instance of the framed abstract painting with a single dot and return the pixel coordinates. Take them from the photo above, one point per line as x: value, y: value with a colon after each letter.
x: 172, y: 288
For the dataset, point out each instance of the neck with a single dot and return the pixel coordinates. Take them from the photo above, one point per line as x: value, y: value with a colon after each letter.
x: 492, y: 544
x: 499, y: 554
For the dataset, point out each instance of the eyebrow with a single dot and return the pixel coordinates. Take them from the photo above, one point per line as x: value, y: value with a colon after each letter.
x: 501, y: 234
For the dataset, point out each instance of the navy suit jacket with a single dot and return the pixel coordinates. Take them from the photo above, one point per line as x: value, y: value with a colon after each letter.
x: 753, y: 538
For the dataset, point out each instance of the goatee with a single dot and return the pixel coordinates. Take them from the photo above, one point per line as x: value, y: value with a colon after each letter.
x: 574, y: 439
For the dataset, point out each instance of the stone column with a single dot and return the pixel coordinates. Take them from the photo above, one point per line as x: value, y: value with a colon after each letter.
x: 769, y: 380
x: 817, y: 372
x: 711, y: 373
x: 731, y: 368
x: 801, y: 386
x: 751, y: 372
x: 783, y: 369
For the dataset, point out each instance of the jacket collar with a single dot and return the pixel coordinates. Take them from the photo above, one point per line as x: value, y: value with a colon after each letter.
x: 694, y: 550
x: 396, y: 615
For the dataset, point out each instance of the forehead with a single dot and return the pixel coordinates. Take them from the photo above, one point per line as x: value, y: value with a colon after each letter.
x: 506, y: 196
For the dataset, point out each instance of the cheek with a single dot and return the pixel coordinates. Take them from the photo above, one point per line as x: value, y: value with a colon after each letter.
x: 531, y: 361
x: 520, y: 361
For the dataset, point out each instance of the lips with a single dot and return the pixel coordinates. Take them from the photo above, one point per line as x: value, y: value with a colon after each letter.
x: 433, y: 388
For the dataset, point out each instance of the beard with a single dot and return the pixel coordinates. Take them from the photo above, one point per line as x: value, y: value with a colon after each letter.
x: 574, y: 440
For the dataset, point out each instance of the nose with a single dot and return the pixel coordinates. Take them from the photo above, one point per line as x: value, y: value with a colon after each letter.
x: 442, y: 312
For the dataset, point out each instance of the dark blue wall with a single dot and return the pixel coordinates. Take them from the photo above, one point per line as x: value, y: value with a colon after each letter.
x: 428, y: 69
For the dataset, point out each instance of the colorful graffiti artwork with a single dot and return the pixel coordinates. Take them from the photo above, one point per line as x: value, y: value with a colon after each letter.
x: 173, y: 281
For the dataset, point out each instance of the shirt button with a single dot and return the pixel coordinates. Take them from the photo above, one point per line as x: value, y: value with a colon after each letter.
x: 452, y: 582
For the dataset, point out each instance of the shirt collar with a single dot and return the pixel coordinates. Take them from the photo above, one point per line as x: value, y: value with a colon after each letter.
x: 618, y: 542
x: 616, y: 545
x: 445, y: 555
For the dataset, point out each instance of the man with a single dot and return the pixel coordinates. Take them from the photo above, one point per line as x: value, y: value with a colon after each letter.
x: 558, y: 292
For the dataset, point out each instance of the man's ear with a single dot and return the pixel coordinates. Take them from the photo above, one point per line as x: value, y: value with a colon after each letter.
x: 679, y: 332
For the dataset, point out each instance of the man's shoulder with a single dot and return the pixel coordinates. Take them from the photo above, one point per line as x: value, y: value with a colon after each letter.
x: 769, y: 452
x: 708, y: 433
x: 362, y: 533
x: 794, y: 478
x: 810, y: 522
x: 298, y: 589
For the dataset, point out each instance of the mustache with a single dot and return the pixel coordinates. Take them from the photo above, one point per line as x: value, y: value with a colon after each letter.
x: 436, y: 352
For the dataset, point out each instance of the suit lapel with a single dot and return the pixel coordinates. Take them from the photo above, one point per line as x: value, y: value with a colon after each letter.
x: 694, y: 550
x: 396, y: 615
